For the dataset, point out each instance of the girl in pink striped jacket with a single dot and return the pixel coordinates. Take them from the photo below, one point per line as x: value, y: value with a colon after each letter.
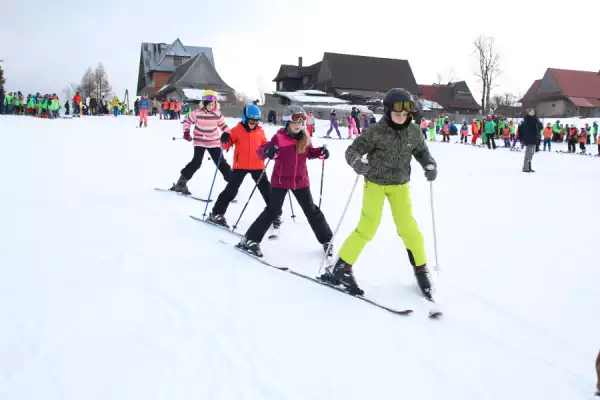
x: 208, y: 124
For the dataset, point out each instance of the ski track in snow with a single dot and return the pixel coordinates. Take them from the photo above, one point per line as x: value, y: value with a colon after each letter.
x: 108, y: 290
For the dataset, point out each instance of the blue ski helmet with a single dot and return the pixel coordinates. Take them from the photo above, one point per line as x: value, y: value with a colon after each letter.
x: 251, y: 111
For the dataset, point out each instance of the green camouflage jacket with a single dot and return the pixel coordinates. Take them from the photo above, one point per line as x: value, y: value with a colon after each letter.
x: 389, y: 152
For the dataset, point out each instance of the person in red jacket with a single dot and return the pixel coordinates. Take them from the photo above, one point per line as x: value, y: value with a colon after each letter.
x: 246, y: 137
x: 290, y: 147
x: 76, y: 103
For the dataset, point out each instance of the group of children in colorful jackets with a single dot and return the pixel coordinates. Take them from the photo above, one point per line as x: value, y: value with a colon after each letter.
x: 46, y: 106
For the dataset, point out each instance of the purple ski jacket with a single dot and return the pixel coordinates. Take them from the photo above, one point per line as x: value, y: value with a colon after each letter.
x: 290, y: 170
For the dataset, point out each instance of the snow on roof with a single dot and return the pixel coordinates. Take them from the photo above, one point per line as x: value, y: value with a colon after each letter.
x: 196, y: 94
x: 427, y: 105
x: 300, y: 97
x: 345, y: 107
x: 312, y: 92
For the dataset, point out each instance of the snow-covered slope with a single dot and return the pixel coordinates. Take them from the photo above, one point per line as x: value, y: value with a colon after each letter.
x: 108, y: 290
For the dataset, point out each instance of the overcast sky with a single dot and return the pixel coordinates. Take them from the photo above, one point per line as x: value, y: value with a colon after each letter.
x: 46, y: 45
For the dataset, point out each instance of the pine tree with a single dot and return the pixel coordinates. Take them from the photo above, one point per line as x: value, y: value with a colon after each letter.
x: 2, y: 80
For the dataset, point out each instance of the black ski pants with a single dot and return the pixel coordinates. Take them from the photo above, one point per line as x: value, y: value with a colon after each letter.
x: 313, y: 214
x: 491, y: 143
x: 189, y: 170
x: 572, y: 144
x: 235, y: 181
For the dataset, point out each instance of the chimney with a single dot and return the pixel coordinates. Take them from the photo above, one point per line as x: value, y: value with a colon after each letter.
x: 300, y: 62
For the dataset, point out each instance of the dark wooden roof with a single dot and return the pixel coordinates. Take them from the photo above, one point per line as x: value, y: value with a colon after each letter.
x: 455, y: 95
x: 370, y: 73
x: 354, y: 72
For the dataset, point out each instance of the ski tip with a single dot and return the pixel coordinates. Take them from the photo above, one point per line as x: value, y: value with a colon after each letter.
x: 408, y: 311
x: 435, y: 314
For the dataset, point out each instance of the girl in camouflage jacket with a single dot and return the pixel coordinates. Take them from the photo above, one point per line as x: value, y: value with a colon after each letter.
x: 389, y: 147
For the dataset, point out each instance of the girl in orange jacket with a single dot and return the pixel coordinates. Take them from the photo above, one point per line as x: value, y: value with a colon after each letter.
x: 246, y: 137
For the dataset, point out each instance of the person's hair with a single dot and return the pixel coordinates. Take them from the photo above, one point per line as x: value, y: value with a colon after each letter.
x: 303, y: 142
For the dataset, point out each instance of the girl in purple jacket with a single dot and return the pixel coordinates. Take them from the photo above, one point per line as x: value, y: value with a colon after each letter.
x: 290, y: 147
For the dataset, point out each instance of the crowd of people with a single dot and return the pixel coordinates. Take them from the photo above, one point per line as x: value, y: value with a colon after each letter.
x: 509, y: 131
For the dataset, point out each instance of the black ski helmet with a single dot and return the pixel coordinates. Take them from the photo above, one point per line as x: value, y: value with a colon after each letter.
x: 396, y: 95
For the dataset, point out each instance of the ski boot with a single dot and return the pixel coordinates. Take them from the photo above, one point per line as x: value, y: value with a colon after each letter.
x: 181, y: 186
x: 422, y: 275
x: 250, y: 247
x: 277, y: 222
x: 327, y: 249
x: 342, y: 275
x: 217, y: 219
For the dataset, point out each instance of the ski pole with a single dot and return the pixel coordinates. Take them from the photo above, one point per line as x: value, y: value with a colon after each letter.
x: 435, y: 248
x: 178, y: 138
x: 322, y: 177
x: 291, y: 206
x: 337, y: 228
x: 250, y: 197
x: 213, y: 182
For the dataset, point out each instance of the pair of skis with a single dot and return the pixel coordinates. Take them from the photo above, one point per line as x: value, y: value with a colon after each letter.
x: 433, y: 313
x: 189, y: 196
x: 273, y: 232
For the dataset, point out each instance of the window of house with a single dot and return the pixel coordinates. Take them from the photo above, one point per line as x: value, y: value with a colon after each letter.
x: 177, y: 61
x: 553, y: 105
x: 279, y: 85
x: 305, y: 80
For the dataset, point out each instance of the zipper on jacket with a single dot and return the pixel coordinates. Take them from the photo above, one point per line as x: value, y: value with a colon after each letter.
x: 296, y: 167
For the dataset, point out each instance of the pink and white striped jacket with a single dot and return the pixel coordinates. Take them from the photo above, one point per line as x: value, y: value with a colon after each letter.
x: 207, y: 126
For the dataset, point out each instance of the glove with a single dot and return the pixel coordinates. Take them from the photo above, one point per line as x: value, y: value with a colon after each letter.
x: 324, y: 153
x: 360, y: 166
x: 225, y: 138
x: 431, y: 172
x: 187, y: 136
x: 271, y: 151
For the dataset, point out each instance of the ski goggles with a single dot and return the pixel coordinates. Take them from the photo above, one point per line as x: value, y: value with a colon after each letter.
x: 298, y: 117
x: 209, y: 97
x: 403, y: 106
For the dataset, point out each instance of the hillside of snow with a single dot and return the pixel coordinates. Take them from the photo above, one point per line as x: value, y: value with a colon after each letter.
x: 108, y: 290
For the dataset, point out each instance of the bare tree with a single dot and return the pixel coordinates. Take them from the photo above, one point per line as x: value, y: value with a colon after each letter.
x: 489, y: 68
x: 448, y: 76
x: 68, y: 90
x: 510, y: 99
x: 102, y: 86
x: 263, y: 87
x: 496, y: 101
x: 243, y: 98
x: 88, y: 81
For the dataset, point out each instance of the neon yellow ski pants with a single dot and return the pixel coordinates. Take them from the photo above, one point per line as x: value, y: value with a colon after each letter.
x: 372, y: 208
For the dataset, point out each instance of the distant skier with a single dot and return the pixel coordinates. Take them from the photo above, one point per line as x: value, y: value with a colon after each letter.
x: 464, y: 133
x: 143, y: 108
x: 394, y: 140
x: 208, y: 123
x: 292, y: 147
x: 246, y: 137
x: 310, y: 123
x: 352, y: 129
x: 333, y: 124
